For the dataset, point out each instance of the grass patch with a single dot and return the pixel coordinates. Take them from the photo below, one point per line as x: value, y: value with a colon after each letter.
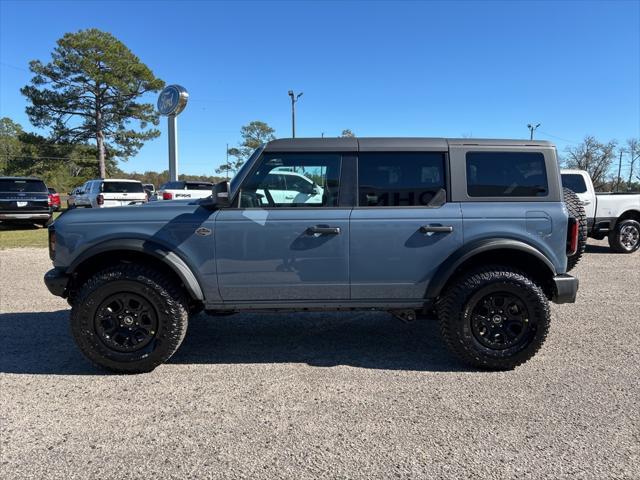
x: 27, y: 235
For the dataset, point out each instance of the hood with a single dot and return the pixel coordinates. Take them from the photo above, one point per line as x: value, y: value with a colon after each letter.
x: 154, y: 212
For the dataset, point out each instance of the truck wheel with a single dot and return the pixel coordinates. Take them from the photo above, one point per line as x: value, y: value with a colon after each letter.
x: 129, y: 318
x: 576, y: 210
x: 494, y: 318
x: 625, y: 237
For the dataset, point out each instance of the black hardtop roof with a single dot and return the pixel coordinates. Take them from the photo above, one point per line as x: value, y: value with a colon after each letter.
x: 390, y: 144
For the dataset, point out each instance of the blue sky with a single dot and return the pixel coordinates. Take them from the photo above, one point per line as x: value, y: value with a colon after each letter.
x: 482, y: 69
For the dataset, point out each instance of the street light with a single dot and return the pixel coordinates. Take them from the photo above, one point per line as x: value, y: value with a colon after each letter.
x: 532, y: 128
x: 294, y: 99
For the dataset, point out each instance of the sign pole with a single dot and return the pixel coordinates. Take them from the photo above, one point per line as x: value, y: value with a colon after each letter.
x: 171, y: 102
x: 172, y: 122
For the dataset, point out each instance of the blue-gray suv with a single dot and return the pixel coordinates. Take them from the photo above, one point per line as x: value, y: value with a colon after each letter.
x: 478, y: 230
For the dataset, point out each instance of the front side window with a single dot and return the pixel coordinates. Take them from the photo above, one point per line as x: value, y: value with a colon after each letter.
x: 574, y: 182
x: 506, y: 174
x: 403, y: 179
x: 293, y: 180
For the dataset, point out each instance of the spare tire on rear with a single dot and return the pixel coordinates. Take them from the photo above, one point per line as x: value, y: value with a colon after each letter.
x: 576, y: 210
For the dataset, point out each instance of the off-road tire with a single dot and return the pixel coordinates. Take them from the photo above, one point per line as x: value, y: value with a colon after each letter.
x: 455, y: 309
x: 167, y: 300
x: 616, y: 236
x: 576, y: 210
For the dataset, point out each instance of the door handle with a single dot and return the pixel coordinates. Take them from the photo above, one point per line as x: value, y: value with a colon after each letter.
x: 323, y: 230
x: 436, y: 229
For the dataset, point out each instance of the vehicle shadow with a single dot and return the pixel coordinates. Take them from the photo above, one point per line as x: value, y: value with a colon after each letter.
x: 590, y: 248
x: 4, y: 226
x: 40, y: 342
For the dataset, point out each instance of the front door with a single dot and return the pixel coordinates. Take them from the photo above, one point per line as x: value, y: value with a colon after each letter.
x: 273, y: 247
x: 403, y: 227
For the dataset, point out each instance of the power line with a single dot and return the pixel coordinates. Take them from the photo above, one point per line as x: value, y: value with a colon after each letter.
x: 18, y: 157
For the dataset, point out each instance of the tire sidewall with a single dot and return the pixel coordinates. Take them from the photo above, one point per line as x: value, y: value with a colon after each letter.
x: 618, y: 233
x: 456, y: 313
x: 464, y: 319
x: 83, y: 327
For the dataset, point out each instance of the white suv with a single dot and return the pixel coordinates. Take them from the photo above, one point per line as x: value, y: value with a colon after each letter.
x: 182, y: 190
x: 110, y: 193
x: 288, y: 187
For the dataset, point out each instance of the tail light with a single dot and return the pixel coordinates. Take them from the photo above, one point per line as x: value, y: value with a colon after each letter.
x: 52, y: 243
x: 50, y: 200
x: 100, y: 200
x: 572, y: 237
x: 167, y: 196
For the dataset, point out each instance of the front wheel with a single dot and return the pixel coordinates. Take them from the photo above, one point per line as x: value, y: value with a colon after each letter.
x: 625, y: 237
x: 494, y: 318
x: 129, y: 318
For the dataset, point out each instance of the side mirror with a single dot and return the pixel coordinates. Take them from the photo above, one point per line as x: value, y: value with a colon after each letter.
x: 219, y: 195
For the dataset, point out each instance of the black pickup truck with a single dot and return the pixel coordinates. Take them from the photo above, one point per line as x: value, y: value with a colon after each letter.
x: 24, y: 199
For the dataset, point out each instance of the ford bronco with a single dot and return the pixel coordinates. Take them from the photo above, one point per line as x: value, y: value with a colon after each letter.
x: 476, y: 230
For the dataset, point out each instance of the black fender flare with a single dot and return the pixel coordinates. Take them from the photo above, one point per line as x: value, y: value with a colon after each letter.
x: 450, y: 265
x: 169, y: 258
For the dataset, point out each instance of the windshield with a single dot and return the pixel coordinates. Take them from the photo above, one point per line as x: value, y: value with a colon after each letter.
x: 121, y: 187
x: 22, y: 185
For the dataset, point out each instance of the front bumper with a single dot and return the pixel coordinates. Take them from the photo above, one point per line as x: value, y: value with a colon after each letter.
x: 56, y: 281
x: 25, y: 216
x: 565, y: 288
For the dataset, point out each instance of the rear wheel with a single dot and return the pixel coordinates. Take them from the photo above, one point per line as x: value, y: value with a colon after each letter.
x: 494, y: 318
x: 625, y: 237
x: 576, y: 210
x: 129, y: 318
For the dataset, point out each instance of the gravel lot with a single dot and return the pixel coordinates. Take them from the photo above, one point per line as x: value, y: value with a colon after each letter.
x: 323, y: 395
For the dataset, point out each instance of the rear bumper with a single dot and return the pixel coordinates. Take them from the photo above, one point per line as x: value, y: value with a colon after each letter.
x: 25, y: 216
x: 56, y: 281
x: 565, y: 288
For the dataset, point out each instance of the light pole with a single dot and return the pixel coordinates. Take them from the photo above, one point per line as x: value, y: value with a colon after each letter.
x: 294, y: 99
x: 532, y: 128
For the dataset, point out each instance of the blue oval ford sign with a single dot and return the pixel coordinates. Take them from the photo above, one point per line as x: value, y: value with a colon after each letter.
x: 172, y: 100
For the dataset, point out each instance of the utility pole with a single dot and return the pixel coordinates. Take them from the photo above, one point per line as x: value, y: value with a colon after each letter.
x: 532, y: 128
x: 294, y: 99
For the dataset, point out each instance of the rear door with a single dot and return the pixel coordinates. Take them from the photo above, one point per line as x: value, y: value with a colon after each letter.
x: 403, y: 226
x: 273, y: 249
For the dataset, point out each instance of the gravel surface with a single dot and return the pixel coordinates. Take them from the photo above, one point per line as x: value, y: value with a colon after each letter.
x: 323, y: 394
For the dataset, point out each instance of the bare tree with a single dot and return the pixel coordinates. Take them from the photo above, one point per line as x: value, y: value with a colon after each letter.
x: 633, y: 149
x: 594, y: 157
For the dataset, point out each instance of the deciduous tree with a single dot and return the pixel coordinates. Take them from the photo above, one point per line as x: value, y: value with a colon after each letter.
x: 594, y: 157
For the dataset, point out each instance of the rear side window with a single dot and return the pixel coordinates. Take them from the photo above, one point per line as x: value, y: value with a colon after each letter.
x: 506, y: 174
x: 172, y: 186
x: 198, y: 186
x: 20, y: 185
x: 403, y: 179
x: 574, y: 182
x: 122, y: 187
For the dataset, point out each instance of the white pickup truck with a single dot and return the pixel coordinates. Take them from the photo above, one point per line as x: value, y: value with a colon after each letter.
x: 616, y: 215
